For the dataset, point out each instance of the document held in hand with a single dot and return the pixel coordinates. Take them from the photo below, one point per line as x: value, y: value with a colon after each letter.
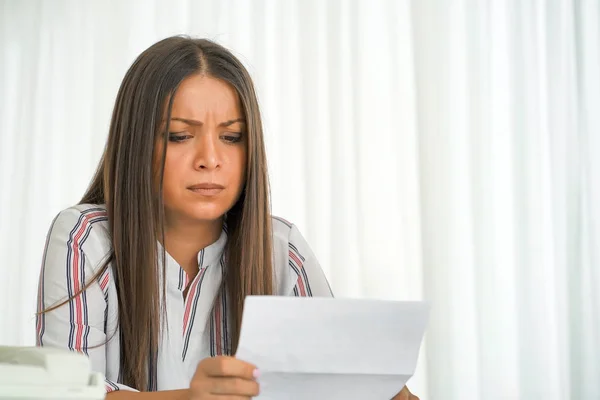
x: 322, y: 348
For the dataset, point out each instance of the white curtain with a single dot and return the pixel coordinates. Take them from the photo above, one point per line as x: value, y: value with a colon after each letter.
x: 438, y: 150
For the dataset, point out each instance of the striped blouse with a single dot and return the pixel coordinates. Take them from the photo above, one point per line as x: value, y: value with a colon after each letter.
x: 196, y: 325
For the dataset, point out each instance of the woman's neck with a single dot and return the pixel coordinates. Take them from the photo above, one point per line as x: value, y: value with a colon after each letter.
x: 184, y: 241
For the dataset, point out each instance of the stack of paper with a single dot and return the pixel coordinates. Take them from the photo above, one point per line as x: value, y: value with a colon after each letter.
x: 323, y: 348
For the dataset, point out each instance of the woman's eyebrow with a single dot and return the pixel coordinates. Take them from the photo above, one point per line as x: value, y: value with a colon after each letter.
x: 195, y: 122
x: 233, y: 121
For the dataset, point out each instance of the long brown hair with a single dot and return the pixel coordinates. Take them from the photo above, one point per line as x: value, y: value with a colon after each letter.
x: 126, y: 182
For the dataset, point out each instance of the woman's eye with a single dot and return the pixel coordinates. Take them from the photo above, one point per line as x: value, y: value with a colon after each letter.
x: 177, y: 137
x: 232, y: 137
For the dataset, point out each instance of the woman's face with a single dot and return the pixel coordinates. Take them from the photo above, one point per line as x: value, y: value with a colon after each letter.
x: 205, y: 164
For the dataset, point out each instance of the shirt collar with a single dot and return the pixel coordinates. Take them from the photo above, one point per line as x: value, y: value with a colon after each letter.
x: 212, y: 253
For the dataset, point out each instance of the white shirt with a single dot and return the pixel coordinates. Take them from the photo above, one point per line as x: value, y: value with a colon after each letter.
x: 196, y: 326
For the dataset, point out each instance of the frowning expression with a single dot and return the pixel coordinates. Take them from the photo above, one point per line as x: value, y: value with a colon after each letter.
x: 205, y: 162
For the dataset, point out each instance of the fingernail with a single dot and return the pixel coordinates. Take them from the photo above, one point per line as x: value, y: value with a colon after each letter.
x: 256, y: 373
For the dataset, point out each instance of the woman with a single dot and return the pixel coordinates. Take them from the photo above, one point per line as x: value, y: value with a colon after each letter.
x: 148, y: 274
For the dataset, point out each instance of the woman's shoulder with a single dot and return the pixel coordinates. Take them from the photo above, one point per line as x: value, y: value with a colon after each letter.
x: 288, y: 244
x: 82, y: 216
x: 82, y: 227
x: 297, y: 270
x: 286, y: 235
x: 281, y: 227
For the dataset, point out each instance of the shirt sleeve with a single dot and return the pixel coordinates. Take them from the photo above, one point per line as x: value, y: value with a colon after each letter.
x: 310, y: 278
x: 79, y: 324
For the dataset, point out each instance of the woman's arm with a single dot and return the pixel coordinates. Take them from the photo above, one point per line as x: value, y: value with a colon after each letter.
x: 79, y: 324
x: 166, y: 395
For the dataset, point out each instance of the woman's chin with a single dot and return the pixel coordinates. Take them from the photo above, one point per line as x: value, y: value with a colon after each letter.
x: 207, y: 213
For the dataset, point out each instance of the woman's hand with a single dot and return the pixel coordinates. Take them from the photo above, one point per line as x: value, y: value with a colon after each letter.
x: 405, y: 394
x: 221, y: 378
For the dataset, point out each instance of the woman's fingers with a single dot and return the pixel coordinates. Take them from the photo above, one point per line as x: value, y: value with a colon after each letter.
x: 228, y: 366
x: 222, y: 378
x: 405, y: 394
x: 234, y: 386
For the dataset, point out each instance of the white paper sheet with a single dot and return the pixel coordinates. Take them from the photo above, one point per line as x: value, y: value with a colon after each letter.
x: 323, y: 348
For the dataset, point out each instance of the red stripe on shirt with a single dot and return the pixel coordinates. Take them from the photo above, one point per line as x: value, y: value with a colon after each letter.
x: 189, y: 299
x: 294, y: 257
x: 75, y: 268
x: 299, y: 264
x: 104, y: 282
x: 301, y: 287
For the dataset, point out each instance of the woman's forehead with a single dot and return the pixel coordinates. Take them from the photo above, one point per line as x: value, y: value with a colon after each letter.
x: 201, y: 97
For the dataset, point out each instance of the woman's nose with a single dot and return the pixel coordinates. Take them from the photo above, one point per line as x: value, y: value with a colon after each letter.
x: 207, y: 152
